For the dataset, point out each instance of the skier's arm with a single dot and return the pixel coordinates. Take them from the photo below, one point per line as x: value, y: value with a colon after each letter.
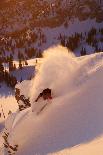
x: 40, y: 95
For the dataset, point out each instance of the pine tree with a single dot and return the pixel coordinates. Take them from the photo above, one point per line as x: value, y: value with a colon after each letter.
x: 1, y: 71
x: 26, y: 63
x: 1, y: 67
x: 21, y: 79
x: 11, y: 63
x: 20, y: 64
x: 14, y: 67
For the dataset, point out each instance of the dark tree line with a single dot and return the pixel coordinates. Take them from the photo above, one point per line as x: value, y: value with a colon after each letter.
x: 5, y: 76
x: 10, y: 80
x: 21, y: 45
x: 76, y: 40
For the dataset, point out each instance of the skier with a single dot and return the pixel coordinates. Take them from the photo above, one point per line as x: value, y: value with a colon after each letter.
x: 42, y: 101
x: 46, y: 94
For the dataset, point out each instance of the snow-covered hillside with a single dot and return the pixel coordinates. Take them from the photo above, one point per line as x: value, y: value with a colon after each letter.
x: 25, y: 25
x: 75, y: 115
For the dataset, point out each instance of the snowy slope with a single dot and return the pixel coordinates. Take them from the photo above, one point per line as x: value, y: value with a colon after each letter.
x: 38, y: 24
x: 74, y: 26
x: 75, y: 114
x: 26, y: 72
x: 7, y: 101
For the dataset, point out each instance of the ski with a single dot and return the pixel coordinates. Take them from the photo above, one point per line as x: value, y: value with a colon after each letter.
x: 41, y: 109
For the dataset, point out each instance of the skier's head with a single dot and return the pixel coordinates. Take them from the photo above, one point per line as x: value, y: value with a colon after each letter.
x: 46, y: 93
x: 47, y: 90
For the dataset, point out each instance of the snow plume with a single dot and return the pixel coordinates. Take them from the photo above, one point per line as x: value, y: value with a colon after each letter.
x: 54, y: 70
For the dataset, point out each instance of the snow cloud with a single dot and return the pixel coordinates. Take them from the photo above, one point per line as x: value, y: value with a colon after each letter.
x: 56, y: 71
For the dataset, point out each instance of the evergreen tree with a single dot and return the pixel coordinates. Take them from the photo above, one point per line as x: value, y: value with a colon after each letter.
x: 11, y: 63
x: 1, y: 71
x: 1, y: 67
x: 26, y: 63
x: 14, y: 67
x: 20, y: 64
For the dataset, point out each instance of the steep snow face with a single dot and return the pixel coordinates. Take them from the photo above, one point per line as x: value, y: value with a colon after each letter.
x: 76, y: 112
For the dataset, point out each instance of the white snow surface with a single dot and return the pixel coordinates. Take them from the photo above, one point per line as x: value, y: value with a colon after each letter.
x: 75, y: 115
x: 7, y: 101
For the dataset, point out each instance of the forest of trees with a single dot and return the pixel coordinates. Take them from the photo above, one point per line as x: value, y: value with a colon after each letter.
x: 6, y: 77
x: 92, y: 38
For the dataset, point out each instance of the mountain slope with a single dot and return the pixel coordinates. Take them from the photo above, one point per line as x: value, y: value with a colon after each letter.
x: 75, y: 115
x: 24, y: 25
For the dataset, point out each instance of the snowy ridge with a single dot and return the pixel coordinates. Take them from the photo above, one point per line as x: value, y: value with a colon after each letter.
x: 75, y: 115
